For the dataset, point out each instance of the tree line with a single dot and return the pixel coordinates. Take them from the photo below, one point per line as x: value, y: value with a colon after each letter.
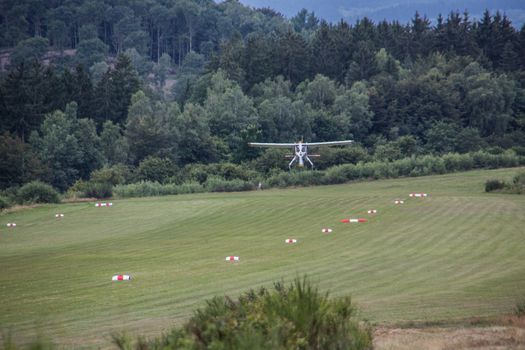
x: 247, y: 75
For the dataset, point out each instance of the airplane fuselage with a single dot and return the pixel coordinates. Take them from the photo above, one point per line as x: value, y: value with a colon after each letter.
x: 301, y: 152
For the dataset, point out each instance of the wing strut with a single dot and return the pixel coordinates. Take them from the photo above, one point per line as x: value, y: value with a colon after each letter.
x: 291, y: 163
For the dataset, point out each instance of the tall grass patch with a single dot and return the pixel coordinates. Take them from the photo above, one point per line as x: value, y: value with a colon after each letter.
x: 151, y: 189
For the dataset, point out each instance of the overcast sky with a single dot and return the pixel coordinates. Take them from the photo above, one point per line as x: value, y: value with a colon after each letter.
x: 402, y: 10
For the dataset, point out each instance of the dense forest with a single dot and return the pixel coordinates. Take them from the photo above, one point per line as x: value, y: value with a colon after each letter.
x: 156, y: 89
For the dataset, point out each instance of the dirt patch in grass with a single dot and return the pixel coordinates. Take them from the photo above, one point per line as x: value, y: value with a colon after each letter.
x: 78, y: 200
x: 19, y: 207
x: 508, y: 333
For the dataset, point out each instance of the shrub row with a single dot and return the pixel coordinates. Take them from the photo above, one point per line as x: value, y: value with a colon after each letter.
x: 212, y: 184
x: 413, y: 166
x: 149, y: 189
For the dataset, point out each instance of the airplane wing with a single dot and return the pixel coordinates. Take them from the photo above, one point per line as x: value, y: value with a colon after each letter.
x: 330, y: 143
x: 274, y: 145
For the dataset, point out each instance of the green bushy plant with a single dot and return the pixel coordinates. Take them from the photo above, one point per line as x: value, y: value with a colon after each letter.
x: 37, y: 192
x: 278, y: 179
x: 494, y: 185
x: 296, y: 178
x: 156, y: 169
x: 115, y: 175
x: 99, y: 190
x: 338, y: 174
x: 77, y: 190
x: 518, y: 183
x: 5, y: 203
x: 519, y: 309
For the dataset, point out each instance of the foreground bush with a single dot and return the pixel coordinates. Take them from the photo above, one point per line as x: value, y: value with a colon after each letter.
x: 37, y: 192
x: 297, y: 316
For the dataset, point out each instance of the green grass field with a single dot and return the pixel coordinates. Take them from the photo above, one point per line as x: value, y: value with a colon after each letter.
x: 456, y: 254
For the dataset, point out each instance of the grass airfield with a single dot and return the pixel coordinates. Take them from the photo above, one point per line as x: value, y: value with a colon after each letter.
x: 456, y: 254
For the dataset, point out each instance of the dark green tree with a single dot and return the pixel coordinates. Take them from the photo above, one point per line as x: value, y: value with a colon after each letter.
x: 114, y: 91
x: 27, y: 94
x: 195, y: 144
x: 151, y: 128
x: 91, y: 51
x: 304, y: 21
x: 229, y: 110
x: 363, y: 64
x: 324, y: 53
x: 258, y: 60
x: 291, y: 56
x: 57, y: 147
x: 114, y: 146
x: 29, y: 50
x: 18, y: 162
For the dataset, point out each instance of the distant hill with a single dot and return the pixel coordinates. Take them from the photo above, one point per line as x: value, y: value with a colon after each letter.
x: 401, y: 10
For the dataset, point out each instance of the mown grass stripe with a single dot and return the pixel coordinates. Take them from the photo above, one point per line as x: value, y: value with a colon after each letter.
x: 454, y: 254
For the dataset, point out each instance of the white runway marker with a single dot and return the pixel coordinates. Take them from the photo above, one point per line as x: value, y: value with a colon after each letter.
x: 232, y: 258
x: 418, y: 195
x: 103, y: 204
x: 346, y: 221
x: 121, y: 278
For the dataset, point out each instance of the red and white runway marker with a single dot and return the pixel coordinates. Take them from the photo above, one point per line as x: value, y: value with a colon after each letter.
x: 326, y: 230
x: 232, y: 258
x: 103, y: 204
x: 346, y: 221
x: 58, y: 216
x: 397, y: 201
x: 11, y: 224
x: 418, y: 195
x: 372, y: 211
x: 121, y: 278
x: 290, y: 241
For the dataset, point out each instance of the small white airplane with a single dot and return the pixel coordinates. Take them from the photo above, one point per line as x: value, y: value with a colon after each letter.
x: 300, y: 149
